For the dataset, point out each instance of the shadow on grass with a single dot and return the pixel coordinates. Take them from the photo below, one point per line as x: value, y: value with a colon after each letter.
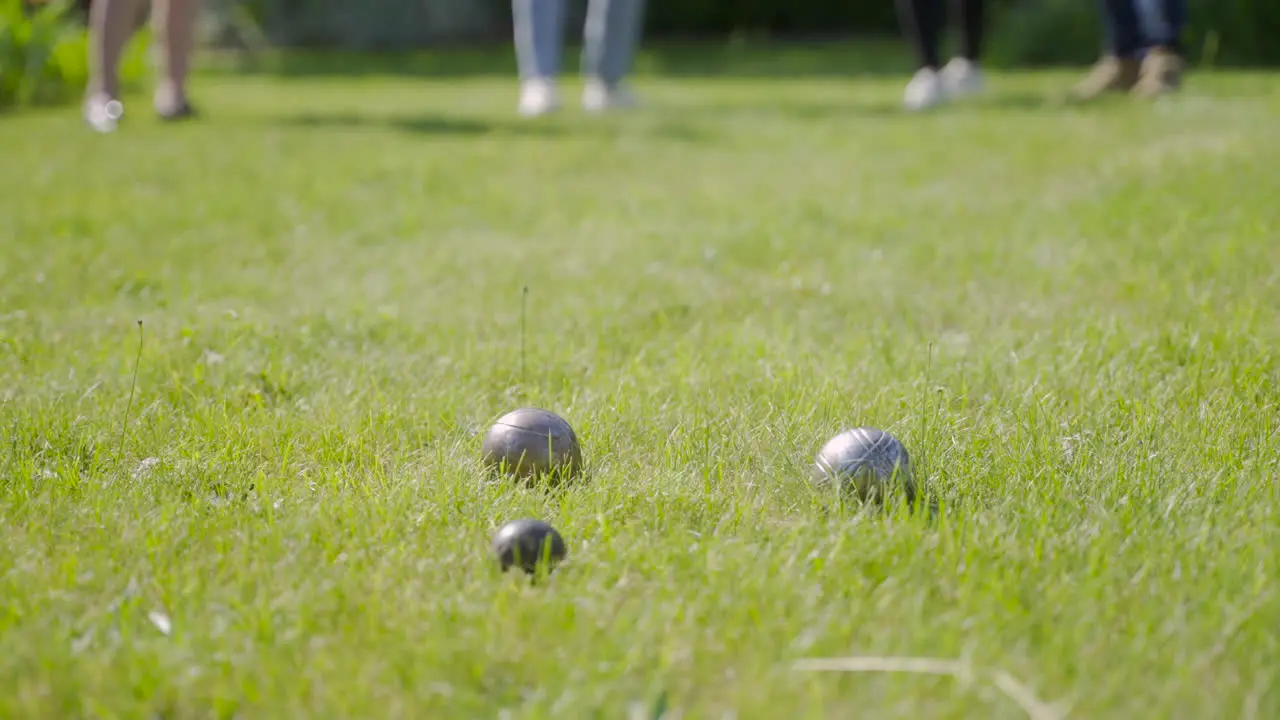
x: 854, y: 106
x: 419, y: 124
x: 684, y: 124
x: 664, y: 128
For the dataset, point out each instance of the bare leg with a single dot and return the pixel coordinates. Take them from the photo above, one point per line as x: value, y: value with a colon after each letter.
x: 175, y: 24
x: 110, y: 27
x: 111, y: 24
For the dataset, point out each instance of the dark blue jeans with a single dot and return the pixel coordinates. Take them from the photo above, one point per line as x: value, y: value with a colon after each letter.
x: 1133, y: 26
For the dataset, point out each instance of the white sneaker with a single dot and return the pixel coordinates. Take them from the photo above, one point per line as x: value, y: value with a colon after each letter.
x: 598, y: 96
x: 962, y: 78
x: 924, y: 91
x: 538, y: 96
x: 102, y: 113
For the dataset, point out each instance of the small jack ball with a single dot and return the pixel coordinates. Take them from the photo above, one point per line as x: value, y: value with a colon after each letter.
x: 521, y: 543
x: 530, y: 442
x: 864, y: 461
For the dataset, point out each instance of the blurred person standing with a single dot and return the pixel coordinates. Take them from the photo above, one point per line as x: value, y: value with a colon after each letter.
x: 111, y: 25
x: 610, y: 36
x: 924, y: 21
x: 1143, y: 53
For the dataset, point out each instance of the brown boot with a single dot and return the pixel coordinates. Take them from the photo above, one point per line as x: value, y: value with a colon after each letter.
x: 1161, y: 73
x: 1110, y: 74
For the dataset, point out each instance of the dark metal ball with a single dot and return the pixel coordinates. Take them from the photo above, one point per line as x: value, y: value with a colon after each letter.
x: 866, y: 462
x: 530, y: 442
x: 526, y: 543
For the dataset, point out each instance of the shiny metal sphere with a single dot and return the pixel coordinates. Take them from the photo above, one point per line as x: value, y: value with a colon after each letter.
x: 526, y: 543
x: 530, y: 442
x: 867, y: 463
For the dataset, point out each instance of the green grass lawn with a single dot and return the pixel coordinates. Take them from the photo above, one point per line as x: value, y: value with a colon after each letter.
x: 1069, y: 315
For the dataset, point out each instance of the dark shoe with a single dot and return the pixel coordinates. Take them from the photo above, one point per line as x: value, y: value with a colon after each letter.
x: 181, y: 112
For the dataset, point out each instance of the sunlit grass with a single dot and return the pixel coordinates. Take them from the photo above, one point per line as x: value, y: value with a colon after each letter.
x: 1069, y: 315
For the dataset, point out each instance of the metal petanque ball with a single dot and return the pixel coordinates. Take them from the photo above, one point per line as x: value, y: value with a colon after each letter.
x: 864, y: 461
x: 526, y: 543
x: 529, y: 442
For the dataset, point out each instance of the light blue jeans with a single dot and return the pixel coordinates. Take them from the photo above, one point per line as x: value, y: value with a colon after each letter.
x: 610, y: 36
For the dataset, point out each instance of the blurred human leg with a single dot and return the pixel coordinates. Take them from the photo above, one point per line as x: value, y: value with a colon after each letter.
x: 922, y: 20
x: 175, y: 22
x: 539, y: 38
x: 1118, y: 69
x: 111, y: 24
x: 961, y: 76
x: 1162, y: 23
x: 1175, y: 12
x: 1124, y: 29
x: 973, y: 19
x: 610, y: 34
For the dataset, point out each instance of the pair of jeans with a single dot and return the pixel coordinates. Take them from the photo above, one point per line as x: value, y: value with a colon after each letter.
x: 1133, y: 26
x: 610, y: 35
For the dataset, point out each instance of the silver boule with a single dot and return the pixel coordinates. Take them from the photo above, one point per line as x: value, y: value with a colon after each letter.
x: 527, y: 543
x: 531, y: 442
x: 865, y: 462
